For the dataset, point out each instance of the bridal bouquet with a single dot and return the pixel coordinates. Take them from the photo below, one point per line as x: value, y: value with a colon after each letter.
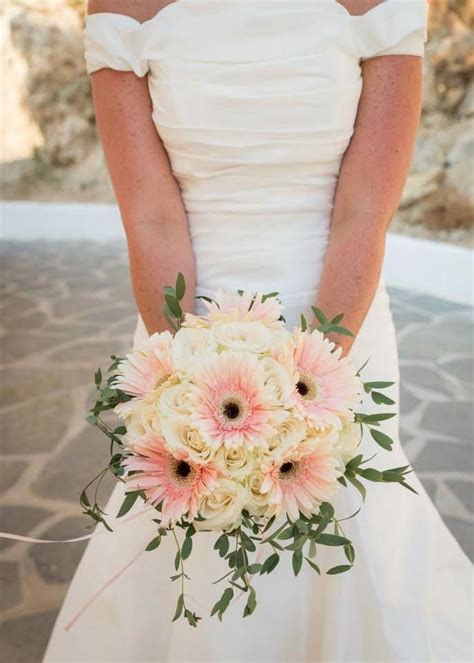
x: 237, y: 425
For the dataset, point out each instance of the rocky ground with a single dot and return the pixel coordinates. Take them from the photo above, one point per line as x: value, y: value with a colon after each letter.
x: 49, y: 142
x: 65, y: 308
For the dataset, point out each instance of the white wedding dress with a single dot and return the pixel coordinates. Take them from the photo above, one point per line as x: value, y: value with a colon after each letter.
x: 255, y: 102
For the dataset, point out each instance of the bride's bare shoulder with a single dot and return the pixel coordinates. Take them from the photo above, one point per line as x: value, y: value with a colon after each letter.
x: 358, y: 7
x: 141, y: 10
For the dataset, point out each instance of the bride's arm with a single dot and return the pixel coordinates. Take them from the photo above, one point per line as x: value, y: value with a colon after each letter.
x: 150, y: 202
x: 370, y: 185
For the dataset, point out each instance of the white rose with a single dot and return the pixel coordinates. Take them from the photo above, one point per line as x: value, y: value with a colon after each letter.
x: 236, y: 462
x: 222, y: 508
x: 190, y: 345
x: 141, y: 415
x: 277, y: 377
x: 257, y: 502
x: 179, y: 434
x: 290, y: 433
x: 347, y: 444
x: 175, y: 400
x: 242, y: 336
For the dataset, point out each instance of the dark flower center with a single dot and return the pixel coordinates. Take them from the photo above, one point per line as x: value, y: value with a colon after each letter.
x: 286, y: 467
x: 231, y: 410
x: 302, y: 388
x: 183, y: 469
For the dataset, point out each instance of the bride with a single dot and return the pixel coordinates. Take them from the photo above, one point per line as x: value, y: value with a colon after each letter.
x: 264, y: 145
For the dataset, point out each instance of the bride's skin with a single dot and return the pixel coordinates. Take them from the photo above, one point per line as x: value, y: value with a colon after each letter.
x: 373, y: 173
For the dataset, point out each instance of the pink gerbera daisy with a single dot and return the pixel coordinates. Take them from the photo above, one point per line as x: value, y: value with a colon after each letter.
x: 301, y: 480
x: 232, y: 306
x: 327, y: 387
x: 147, y: 366
x: 169, y: 478
x: 232, y: 405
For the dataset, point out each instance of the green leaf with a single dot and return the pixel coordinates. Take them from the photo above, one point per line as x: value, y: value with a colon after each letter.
x: 354, y: 462
x: 120, y: 430
x: 382, y: 439
x: 84, y: 500
x: 269, y: 295
x: 339, y: 569
x: 91, y: 419
x: 378, y: 385
x: 270, y: 563
x: 254, y: 568
x: 222, y: 545
x: 375, y: 418
x: 179, y: 608
x: 180, y: 286
x: 205, y: 299
x: 154, y: 543
x: 408, y: 487
x: 326, y: 510
x: 174, y: 306
x: 313, y: 566
x: 341, y: 330
x: 390, y: 476
x: 304, y: 323
x: 269, y: 524
x: 319, y: 315
x: 177, y: 560
x: 337, y: 319
x: 191, y: 617
x: 247, y: 542
x: 381, y: 399
x: 358, y: 485
x: 251, y: 603
x: 297, y: 561
x: 286, y: 534
x: 127, y: 504
x: 302, y: 526
x: 186, y: 547
x: 332, y: 540
x: 349, y: 552
x: 98, y: 377
x: 298, y: 543
x: 312, y: 549
x: 371, y: 474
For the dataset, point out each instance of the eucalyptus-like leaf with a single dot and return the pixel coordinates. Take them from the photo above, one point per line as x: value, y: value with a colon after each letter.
x: 179, y: 608
x: 187, y: 547
x: 128, y: 502
x: 251, y: 602
x: 297, y: 561
x: 174, y: 306
x: 382, y: 439
x: 381, y: 399
x: 154, y: 543
x: 371, y: 474
x: 332, y: 540
x: 180, y: 286
x: 339, y: 569
x: 314, y: 566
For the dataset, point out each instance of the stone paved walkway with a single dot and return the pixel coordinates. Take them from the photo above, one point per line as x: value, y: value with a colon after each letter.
x: 65, y: 308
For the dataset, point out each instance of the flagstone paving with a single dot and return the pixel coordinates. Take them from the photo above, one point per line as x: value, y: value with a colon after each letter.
x: 65, y: 308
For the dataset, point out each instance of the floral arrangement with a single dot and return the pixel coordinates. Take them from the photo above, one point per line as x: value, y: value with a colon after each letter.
x: 237, y: 425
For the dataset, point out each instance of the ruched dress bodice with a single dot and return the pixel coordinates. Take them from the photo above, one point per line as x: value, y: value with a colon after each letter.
x: 255, y: 103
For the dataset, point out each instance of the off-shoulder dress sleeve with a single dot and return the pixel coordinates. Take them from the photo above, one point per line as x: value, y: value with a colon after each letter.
x: 393, y: 27
x: 114, y: 41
